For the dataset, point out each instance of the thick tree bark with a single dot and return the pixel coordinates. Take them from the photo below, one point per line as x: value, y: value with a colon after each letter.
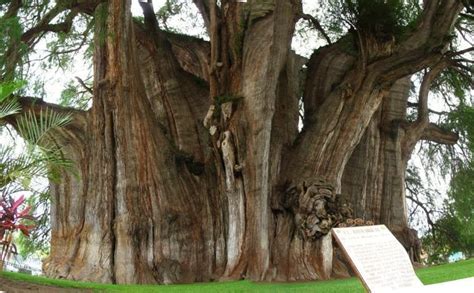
x: 374, y: 178
x: 164, y: 217
x: 190, y: 164
x: 373, y: 181
x: 143, y: 201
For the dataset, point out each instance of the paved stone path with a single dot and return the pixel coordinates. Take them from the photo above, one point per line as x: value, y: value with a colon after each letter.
x: 11, y: 286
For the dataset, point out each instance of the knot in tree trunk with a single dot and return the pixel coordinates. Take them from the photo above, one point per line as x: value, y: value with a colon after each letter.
x: 316, y: 208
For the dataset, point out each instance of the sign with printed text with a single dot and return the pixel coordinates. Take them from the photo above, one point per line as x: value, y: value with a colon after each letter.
x: 378, y: 258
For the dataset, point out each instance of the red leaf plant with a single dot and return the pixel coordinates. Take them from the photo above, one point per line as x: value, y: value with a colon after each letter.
x: 11, y: 220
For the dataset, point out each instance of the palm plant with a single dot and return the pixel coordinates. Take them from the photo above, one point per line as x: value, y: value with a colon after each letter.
x: 39, y: 156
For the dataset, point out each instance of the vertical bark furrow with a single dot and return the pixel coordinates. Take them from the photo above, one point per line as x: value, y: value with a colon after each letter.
x: 265, y: 54
x: 373, y: 178
x: 183, y: 98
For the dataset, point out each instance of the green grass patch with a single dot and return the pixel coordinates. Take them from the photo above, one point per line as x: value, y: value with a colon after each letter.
x: 431, y: 275
x: 447, y: 272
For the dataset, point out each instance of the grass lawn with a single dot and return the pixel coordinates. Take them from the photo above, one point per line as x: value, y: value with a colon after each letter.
x: 436, y: 274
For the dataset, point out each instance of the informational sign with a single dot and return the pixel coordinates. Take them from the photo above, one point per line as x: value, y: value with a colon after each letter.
x: 377, y: 257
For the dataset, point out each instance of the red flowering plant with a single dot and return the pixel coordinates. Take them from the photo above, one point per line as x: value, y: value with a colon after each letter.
x: 12, y: 219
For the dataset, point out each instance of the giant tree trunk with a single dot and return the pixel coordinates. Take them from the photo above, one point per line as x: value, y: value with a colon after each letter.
x: 373, y: 180
x: 174, y: 186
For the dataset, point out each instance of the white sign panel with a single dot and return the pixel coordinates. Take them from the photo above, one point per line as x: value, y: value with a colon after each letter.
x: 380, y: 260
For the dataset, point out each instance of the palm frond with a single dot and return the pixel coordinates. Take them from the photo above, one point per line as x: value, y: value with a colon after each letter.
x: 36, y: 128
x: 41, y: 156
x: 9, y: 107
x: 18, y: 167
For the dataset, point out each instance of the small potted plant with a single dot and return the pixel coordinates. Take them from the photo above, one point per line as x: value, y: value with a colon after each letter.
x: 12, y: 219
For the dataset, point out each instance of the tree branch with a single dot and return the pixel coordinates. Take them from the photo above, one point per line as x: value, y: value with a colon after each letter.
x: 467, y: 50
x: 36, y: 105
x: 426, y: 46
x: 203, y: 7
x: 316, y: 25
x: 436, y: 134
x: 423, y: 112
x: 415, y: 131
x: 83, y: 84
x: 45, y: 26
x: 427, y: 212
x: 469, y: 5
x: 437, y: 19
x: 13, y: 9
x: 33, y: 34
x: 463, y: 31
x: 149, y: 14
x: 83, y: 6
x: 76, y: 128
x: 416, y: 105
x: 215, y: 48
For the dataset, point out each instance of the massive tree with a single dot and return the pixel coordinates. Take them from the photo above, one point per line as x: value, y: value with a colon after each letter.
x: 190, y: 163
